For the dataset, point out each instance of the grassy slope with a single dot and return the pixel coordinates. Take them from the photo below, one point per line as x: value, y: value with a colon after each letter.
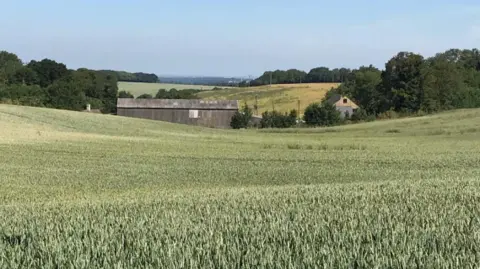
x: 283, y: 96
x: 101, y: 190
x: 138, y: 88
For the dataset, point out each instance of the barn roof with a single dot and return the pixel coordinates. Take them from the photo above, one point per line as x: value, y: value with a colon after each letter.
x: 177, y: 103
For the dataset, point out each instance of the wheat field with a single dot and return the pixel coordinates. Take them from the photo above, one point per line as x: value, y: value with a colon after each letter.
x: 85, y: 190
x: 280, y: 97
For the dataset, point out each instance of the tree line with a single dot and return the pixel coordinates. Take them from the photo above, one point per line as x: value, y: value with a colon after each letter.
x: 319, y: 74
x: 411, y: 83
x: 133, y: 77
x: 164, y: 94
x: 47, y: 83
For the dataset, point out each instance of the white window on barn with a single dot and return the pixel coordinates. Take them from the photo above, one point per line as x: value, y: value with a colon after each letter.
x: 193, y: 114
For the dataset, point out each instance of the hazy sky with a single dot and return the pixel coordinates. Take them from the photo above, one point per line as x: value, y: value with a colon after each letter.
x: 233, y: 38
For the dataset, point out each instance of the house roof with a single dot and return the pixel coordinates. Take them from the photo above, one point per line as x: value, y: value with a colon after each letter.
x: 334, y: 99
x: 177, y: 103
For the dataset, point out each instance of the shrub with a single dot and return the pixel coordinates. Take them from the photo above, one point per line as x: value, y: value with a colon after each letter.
x: 145, y: 96
x: 359, y: 115
x: 275, y: 119
x: 95, y: 103
x: 124, y: 94
x: 324, y: 114
x: 241, y: 119
x: 390, y: 114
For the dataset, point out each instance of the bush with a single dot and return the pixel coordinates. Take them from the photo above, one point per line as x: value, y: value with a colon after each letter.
x: 145, y: 96
x: 175, y: 94
x: 370, y: 118
x: 390, y: 114
x: 359, y: 115
x: 24, y: 95
x: 95, y: 103
x: 241, y: 119
x: 275, y: 119
x: 324, y: 114
x: 124, y: 94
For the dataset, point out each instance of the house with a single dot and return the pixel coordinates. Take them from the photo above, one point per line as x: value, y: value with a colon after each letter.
x: 343, y: 104
x: 208, y: 113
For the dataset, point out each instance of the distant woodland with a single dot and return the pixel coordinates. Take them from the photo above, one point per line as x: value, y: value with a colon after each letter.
x: 133, y: 77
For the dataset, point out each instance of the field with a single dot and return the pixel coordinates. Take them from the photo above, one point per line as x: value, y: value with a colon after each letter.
x: 85, y: 190
x: 281, y: 97
x: 138, y: 88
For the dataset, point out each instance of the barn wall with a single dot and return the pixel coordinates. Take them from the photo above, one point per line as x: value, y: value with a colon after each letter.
x: 207, y: 118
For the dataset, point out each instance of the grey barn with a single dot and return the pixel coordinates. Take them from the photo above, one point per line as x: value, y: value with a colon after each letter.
x: 208, y: 113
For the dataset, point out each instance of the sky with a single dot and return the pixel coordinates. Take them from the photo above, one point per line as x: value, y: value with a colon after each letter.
x: 233, y: 37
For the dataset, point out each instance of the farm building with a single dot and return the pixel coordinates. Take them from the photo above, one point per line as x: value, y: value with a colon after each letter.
x: 208, y: 113
x: 343, y: 104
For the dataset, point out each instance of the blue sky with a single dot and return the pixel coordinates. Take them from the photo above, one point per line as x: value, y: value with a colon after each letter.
x: 233, y: 38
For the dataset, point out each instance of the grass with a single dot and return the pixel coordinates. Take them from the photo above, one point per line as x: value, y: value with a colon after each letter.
x: 95, y: 191
x: 138, y: 88
x: 282, y: 97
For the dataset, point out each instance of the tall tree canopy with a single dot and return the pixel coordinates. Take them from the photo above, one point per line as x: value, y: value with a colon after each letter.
x: 48, y: 83
x: 48, y: 71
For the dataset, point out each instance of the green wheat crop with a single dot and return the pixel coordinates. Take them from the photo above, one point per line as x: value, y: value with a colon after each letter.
x: 95, y: 191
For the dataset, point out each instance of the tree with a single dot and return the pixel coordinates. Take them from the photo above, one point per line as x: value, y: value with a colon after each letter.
x: 324, y: 114
x: 100, y: 88
x: 363, y: 88
x: 65, y: 94
x: 9, y: 66
x: 241, y: 119
x: 443, y: 85
x: 25, y: 75
x: 124, y: 94
x: 402, y: 82
x: 162, y: 94
x: 48, y: 71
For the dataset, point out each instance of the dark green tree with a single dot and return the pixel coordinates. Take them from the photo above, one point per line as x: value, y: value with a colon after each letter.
x: 65, y: 94
x: 242, y: 118
x: 162, y: 94
x: 10, y: 64
x: 48, y: 71
x: 321, y: 114
x: 402, y: 82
